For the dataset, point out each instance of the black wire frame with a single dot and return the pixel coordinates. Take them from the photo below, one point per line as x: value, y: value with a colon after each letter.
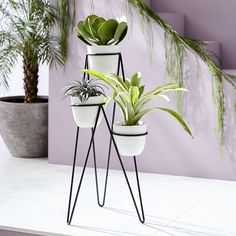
x: 70, y: 211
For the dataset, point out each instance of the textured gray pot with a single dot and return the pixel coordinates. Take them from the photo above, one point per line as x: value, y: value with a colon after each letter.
x: 24, y: 127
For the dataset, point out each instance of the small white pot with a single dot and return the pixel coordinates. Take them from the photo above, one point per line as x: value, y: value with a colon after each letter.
x: 130, y: 145
x: 85, y: 116
x: 103, y: 64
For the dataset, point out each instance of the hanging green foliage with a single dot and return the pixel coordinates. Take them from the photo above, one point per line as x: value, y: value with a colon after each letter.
x: 178, y: 45
x: 64, y: 14
x: 195, y: 46
x: 176, y: 49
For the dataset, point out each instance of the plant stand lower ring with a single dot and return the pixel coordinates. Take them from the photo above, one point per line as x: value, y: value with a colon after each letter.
x: 71, y: 208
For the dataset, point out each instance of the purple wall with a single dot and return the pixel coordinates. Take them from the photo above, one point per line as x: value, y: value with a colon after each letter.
x: 207, y: 20
x: 169, y: 149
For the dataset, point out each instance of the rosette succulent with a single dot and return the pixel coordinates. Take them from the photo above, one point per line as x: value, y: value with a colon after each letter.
x: 95, y: 30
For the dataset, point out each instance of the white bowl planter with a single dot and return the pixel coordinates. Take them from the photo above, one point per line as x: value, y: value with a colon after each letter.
x: 103, y: 64
x: 85, y: 116
x: 130, y: 145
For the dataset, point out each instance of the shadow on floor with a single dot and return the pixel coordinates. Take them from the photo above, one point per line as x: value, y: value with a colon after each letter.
x: 161, y: 225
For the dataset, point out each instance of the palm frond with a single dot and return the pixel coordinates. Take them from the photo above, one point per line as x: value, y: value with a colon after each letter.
x: 64, y: 17
x: 8, y: 59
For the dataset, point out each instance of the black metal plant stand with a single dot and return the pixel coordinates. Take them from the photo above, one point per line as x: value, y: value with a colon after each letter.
x: 70, y: 212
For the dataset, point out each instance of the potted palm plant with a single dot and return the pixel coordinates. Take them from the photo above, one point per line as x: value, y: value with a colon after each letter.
x: 102, y: 37
x: 24, y: 33
x: 130, y: 134
x: 83, y: 93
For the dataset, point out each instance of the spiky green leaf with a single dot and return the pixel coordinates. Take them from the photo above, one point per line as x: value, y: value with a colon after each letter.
x: 178, y: 118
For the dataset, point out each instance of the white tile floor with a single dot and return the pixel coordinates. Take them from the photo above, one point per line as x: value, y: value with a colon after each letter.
x: 34, y: 195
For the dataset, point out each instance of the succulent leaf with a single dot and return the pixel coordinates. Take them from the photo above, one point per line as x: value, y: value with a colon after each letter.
x: 107, y: 30
x: 97, y: 23
x: 96, y: 30
x: 81, y: 32
x: 121, y: 32
x: 88, y: 25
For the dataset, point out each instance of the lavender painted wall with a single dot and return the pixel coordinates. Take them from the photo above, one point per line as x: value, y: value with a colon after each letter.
x: 169, y: 149
x: 207, y: 20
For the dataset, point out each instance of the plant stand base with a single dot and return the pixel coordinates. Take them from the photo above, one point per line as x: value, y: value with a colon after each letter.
x: 71, y: 207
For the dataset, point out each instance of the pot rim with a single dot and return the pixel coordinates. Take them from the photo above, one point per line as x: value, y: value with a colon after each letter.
x: 120, y: 133
x: 102, y: 46
x: 121, y: 123
x: 12, y: 99
x: 129, y: 135
x: 90, y: 98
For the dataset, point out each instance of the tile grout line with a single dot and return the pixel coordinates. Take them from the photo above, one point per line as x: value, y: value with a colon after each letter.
x: 193, y: 206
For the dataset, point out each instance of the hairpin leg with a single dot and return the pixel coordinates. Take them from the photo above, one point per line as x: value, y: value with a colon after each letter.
x: 72, y: 175
x: 96, y: 176
x: 141, y: 217
x: 70, y: 214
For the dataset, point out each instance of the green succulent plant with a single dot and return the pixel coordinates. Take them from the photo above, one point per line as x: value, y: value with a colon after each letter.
x: 130, y: 97
x: 95, y: 30
x: 84, y: 89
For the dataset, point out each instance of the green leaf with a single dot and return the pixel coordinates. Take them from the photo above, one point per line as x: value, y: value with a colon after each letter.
x: 88, y: 22
x: 107, y: 30
x: 102, y: 77
x: 164, y: 97
x: 135, y: 119
x: 167, y: 88
x: 122, y: 105
x: 178, y: 118
x: 110, y: 80
x: 124, y: 96
x: 80, y: 30
x: 155, y: 93
x: 124, y: 86
x: 134, y: 94
x: 88, y: 25
x: 83, y: 39
x: 120, y: 32
x: 97, y: 23
x: 128, y: 84
x: 141, y: 90
x: 135, y: 79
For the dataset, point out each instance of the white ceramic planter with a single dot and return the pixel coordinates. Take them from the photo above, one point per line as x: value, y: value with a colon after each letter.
x: 103, y: 64
x: 85, y: 117
x: 130, y: 145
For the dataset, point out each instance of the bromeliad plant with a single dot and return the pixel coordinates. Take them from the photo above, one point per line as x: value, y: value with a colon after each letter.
x: 130, y: 97
x: 95, y: 30
x: 84, y: 89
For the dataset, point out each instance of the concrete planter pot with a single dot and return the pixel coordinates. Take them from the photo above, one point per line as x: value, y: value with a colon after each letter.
x: 103, y: 64
x: 24, y: 126
x: 85, y: 116
x: 130, y: 145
